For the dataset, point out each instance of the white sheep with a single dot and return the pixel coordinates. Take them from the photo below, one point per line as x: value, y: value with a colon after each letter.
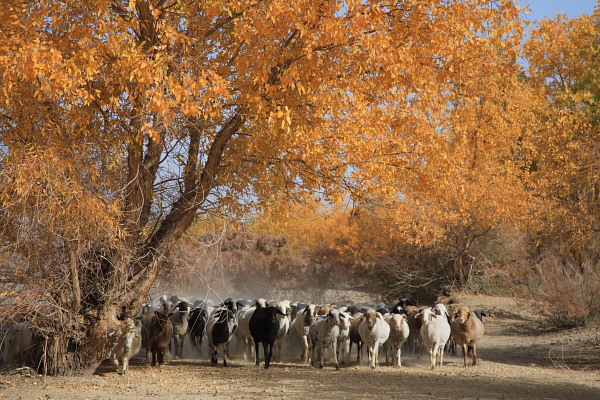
x: 435, y: 332
x: 399, y: 332
x: 324, y: 333
x: 302, y: 323
x: 129, y: 345
x: 284, y: 327
x: 374, y: 331
x: 243, y: 332
x: 344, y: 337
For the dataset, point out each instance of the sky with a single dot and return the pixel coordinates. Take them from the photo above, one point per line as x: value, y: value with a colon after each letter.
x: 549, y: 8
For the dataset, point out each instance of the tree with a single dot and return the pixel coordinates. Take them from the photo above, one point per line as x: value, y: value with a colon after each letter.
x: 563, y: 59
x: 123, y: 120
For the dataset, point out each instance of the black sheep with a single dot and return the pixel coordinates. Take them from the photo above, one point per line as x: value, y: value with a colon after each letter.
x: 220, y: 328
x: 264, y: 327
x: 197, y: 326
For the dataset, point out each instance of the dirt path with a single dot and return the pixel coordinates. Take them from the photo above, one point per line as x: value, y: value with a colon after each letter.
x: 520, y: 359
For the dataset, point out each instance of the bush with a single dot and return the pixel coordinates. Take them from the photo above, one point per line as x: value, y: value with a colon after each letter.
x: 570, y: 293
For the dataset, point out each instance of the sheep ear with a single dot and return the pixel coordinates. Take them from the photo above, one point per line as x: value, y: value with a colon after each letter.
x: 305, y: 310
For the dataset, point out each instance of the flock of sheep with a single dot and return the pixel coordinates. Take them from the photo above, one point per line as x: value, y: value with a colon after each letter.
x: 314, y: 328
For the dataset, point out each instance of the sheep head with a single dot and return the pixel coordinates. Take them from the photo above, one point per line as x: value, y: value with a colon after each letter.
x: 464, y: 313
x: 371, y: 318
x: 334, y: 316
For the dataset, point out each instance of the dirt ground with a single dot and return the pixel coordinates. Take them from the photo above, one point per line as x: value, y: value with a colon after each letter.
x: 521, y: 358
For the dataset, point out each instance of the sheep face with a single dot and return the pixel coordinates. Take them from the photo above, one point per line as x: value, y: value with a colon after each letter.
x: 309, y: 315
x: 426, y: 316
x: 334, y: 317
x: 464, y: 313
x: 440, y: 309
x: 371, y: 318
x: 345, y: 320
x: 260, y: 303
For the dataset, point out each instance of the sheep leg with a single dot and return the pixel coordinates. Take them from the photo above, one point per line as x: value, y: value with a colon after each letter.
x: 213, y: 354
x: 256, y: 356
x: 161, y: 356
x: 441, y: 354
x: 431, y: 359
x: 386, y: 347
x: 475, y: 359
x: 465, y: 354
x: 304, y: 355
x: 125, y: 365
x: 268, y: 350
x: 320, y: 355
x: 376, y: 354
x: 335, y: 357
x: 224, y: 346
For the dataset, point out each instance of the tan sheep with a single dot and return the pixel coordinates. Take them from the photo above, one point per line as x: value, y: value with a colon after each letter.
x: 467, y: 329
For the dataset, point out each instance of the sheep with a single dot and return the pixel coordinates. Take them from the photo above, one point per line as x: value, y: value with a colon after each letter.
x: 480, y: 314
x: 400, y: 306
x: 128, y: 345
x: 284, y: 326
x: 467, y: 329
x: 197, y: 326
x: 302, y: 324
x: 399, y: 332
x: 264, y: 328
x: 146, y: 316
x: 435, y: 332
x: 243, y: 331
x: 344, y: 337
x: 382, y: 308
x: 324, y: 333
x: 161, y: 331
x: 374, y: 331
x: 323, y: 309
x: 354, y: 336
x: 414, y: 325
x: 220, y: 327
x: 179, y: 319
x: 451, y: 344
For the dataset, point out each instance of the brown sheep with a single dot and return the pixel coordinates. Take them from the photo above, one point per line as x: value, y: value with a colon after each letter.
x: 467, y: 329
x: 161, y: 331
x: 324, y: 309
x: 355, y: 336
x: 414, y: 324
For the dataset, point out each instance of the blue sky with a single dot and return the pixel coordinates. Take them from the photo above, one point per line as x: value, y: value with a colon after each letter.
x: 549, y: 8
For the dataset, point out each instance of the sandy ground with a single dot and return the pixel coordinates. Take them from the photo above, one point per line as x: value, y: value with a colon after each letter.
x: 521, y: 358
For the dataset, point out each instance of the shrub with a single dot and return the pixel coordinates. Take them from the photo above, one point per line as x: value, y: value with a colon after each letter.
x: 570, y: 293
